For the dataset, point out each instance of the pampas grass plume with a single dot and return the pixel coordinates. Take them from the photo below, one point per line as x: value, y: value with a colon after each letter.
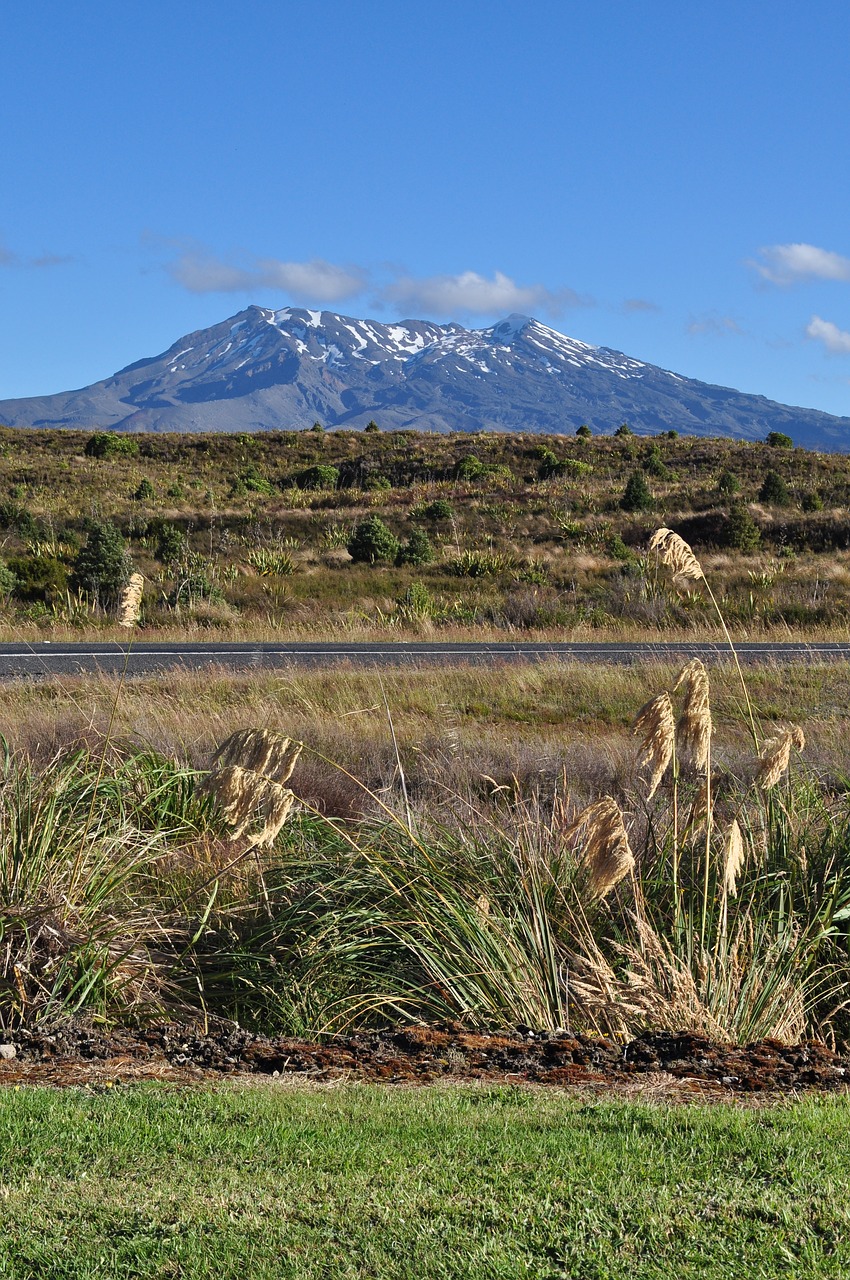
x: 247, y: 786
x: 656, y: 723
x: 605, y: 853
x: 776, y: 755
x: 262, y: 751
x: 675, y: 553
x: 695, y: 727
x: 243, y: 797
x: 733, y: 858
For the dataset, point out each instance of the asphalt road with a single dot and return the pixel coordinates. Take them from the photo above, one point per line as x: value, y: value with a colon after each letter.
x: 45, y: 658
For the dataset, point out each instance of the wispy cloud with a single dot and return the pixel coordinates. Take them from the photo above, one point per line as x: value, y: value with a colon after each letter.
x: 8, y: 258
x: 314, y: 281
x: 51, y: 260
x: 787, y: 264
x: 632, y: 305
x: 715, y: 325
x: 835, y: 340
x: 472, y: 294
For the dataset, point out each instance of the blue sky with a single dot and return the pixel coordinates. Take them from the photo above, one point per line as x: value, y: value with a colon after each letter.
x: 671, y: 180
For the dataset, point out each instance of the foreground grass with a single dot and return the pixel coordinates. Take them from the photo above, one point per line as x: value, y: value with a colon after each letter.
x: 367, y: 1182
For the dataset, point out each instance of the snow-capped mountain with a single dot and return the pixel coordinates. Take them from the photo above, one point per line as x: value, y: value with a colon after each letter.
x: 286, y: 369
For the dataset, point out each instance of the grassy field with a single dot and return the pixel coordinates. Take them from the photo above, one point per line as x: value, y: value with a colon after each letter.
x: 486, y: 535
x: 357, y: 1181
x: 435, y: 876
x: 453, y: 725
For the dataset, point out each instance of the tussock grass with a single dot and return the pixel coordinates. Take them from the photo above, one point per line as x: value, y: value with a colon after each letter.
x: 397, y: 871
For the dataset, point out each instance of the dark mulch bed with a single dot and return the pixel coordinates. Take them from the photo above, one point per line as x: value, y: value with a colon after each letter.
x: 74, y: 1053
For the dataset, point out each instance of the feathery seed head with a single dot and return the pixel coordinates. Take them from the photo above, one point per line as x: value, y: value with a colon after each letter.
x: 243, y: 797
x: 733, y: 858
x: 262, y: 751
x: 695, y: 726
x: 655, y: 722
x: 602, y: 841
x: 775, y: 756
x: 675, y: 552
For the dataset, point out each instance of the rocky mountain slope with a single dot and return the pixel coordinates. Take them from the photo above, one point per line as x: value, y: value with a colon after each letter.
x: 265, y: 369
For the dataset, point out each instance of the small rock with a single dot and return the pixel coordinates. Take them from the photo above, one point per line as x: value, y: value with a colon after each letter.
x: 7, y: 1052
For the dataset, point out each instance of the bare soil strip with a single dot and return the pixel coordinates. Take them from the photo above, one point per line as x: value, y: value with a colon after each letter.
x: 681, y: 1063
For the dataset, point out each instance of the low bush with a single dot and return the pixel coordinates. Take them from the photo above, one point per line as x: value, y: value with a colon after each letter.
x: 111, y: 444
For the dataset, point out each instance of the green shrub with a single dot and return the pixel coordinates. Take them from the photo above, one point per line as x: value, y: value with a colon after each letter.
x: 812, y: 501
x: 8, y: 581
x: 637, y: 495
x: 371, y: 426
x: 617, y: 549
x: 439, y: 509
x: 372, y: 541
x: 102, y: 566
x: 171, y: 542
x: 741, y: 532
x: 584, y: 432
x: 779, y: 440
x: 470, y: 468
x: 417, y: 550
x: 18, y: 518
x: 417, y: 601
x: 111, y: 444
x: 624, y: 430
x: 654, y: 464
x: 378, y: 484
x: 144, y: 491
x: 728, y: 483
x: 321, y: 476
x: 481, y: 564
x: 251, y: 480
x: 38, y: 577
x: 774, y: 491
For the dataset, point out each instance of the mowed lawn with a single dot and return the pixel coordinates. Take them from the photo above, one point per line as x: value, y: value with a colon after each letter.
x: 366, y: 1181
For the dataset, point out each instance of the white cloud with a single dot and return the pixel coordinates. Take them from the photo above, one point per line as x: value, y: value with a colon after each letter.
x: 786, y: 264
x: 315, y: 281
x: 197, y: 269
x: 836, y: 341
x: 471, y: 293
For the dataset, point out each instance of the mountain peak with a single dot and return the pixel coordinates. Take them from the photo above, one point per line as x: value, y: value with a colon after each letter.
x: 266, y: 369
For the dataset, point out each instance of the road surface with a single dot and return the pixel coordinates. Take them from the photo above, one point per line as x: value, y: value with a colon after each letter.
x: 44, y: 658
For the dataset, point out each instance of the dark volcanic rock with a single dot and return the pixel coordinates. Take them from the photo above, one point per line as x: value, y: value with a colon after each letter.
x: 421, y: 1054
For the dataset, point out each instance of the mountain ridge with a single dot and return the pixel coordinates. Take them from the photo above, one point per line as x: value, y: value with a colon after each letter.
x: 266, y: 369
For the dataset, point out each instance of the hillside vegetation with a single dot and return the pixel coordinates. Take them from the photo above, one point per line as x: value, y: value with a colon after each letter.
x: 316, y: 532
